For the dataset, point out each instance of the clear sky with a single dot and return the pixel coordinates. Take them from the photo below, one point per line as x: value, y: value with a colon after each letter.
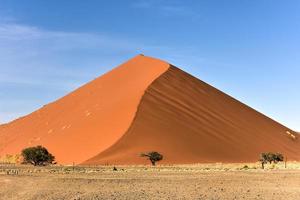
x: 250, y: 49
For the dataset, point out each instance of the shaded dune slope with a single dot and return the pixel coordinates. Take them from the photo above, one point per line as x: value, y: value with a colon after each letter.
x: 88, y: 120
x: 189, y: 121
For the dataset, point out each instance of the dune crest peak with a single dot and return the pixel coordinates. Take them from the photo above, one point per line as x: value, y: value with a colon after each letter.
x: 88, y: 120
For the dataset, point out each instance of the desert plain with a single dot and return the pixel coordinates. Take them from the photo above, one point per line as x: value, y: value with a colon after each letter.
x: 198, y: 181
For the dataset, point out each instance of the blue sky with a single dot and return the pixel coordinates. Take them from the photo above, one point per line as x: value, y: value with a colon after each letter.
x: 250, y: 49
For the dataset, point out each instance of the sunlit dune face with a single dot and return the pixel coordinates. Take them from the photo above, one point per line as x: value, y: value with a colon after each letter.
x: 88, y: 120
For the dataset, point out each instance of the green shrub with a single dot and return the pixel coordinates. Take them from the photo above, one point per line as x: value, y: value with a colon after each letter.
x: 37, y: 156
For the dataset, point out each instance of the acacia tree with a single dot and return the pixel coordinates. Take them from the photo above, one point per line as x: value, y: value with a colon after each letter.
x: 270, y: 157
x: 38, y: 155
x: 153, y: 157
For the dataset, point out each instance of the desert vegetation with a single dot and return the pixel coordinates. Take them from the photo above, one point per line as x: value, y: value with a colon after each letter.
x: 11, y: 159
x: 153, y: 157
x: 37, y: 156
x: 270, y: 157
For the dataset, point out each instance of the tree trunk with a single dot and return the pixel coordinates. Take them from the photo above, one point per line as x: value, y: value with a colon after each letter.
x: 153, y: 162
x: 285, y: 160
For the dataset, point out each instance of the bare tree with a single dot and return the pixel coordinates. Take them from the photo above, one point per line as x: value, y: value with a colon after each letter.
x: 153, y: 156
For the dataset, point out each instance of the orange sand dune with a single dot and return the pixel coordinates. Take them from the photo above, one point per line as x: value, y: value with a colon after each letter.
x: 189, y: 121
x: 88, y: 120
x: 144, y: 105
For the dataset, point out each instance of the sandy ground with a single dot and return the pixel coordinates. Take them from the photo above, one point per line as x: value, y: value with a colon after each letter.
x: 142, y: 182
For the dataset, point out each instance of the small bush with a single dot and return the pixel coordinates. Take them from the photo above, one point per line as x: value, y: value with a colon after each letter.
x: 153, y: 156
x: 272, y: 166
x: 10, y: 159
x: 245, y: 167
x: 37, y: 156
